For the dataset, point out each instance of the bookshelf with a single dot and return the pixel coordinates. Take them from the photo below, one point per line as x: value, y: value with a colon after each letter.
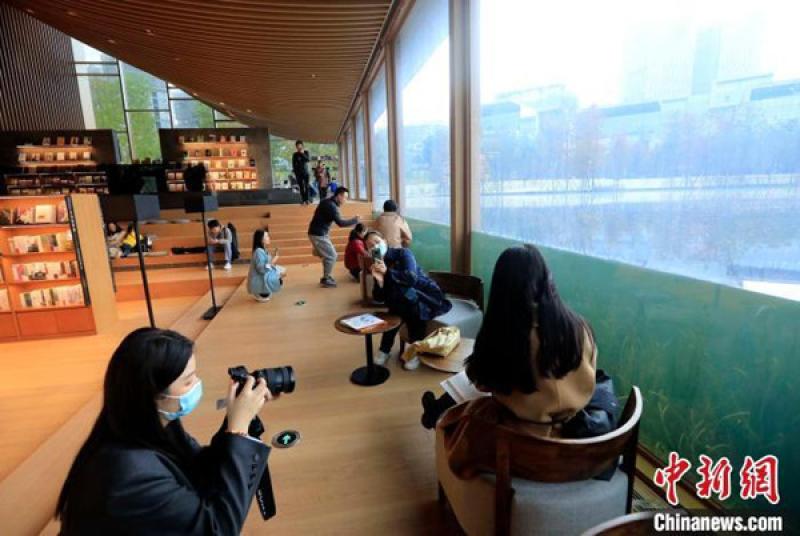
x: 228, y: 162
x: 57, y: 162
x: 55, y: 279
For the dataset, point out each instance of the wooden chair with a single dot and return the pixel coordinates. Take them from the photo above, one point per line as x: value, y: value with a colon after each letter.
x: 467, y: 287
x: 559, y: 493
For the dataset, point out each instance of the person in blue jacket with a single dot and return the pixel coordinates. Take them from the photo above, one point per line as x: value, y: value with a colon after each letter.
x: 264, y: 277
x: 406, y: 290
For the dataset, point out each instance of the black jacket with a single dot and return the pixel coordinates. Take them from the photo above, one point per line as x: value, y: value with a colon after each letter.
x: 127, y: 490
x: 327, y: 212
x: 300, y: 164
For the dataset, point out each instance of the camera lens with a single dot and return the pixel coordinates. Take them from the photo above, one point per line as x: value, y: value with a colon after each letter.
x: 280, y: 379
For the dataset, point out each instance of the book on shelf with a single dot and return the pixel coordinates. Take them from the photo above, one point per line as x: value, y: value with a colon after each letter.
x: 73, y: 140
x: 363, y: 322
x: 87, y: 155
x: 48, y: 157
x: 222, y: 138
x: 46, y: 141
x: 5, y: 305
x: 64, y: 296
x: 6, y: 216
x: 181, y: 139
x: 44, y: 271
x: 62, y: 215
x: 44, y: 243
x: 60, y: 156
x: 25, y: 216
x: 87, y: 140
x: 60, y: 140
x: 45, y: 214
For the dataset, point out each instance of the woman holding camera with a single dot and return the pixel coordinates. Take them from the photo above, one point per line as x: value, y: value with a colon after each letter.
x: 407, y: 291
x: 139, y: 472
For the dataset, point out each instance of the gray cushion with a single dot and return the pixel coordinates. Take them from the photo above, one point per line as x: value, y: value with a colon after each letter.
x: 464, y: 314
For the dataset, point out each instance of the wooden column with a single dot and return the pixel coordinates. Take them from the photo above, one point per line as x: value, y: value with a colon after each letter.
x: 461, y: 136
x: 391, y: 118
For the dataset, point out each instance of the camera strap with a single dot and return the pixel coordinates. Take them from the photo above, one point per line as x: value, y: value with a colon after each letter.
x: 265, y: 496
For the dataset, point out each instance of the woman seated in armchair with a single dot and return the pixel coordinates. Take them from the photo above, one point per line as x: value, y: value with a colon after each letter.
x: 406, y: 290
x: 534, y: 356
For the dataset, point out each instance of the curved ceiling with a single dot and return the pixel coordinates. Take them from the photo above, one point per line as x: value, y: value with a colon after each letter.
x: 291, y: 65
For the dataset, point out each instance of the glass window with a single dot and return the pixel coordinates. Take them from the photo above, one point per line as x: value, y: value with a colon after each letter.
x: 83, y: 52
x: 96, y: 68
x: 230, y: 124
x: 143, y: 91
x: 379, y: 141
x: 361, y: 158
x: 101, y: 99
x: 348, y: 157
x: 176, y: 93
x: 423, y: 95
x: 124, y: 147
x: 192, y: 114
x: 663, y: 138
x: 144, y: 133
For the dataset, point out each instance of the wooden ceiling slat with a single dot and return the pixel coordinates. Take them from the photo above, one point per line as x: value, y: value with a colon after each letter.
x: 256, y: 55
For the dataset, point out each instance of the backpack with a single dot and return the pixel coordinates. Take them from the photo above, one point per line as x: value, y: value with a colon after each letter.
x: 234, y: 242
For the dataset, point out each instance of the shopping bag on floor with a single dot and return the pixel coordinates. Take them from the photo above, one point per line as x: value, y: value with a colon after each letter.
x: 441, y: 343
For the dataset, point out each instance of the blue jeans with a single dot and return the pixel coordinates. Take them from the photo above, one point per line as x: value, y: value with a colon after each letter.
x: 226, y: 248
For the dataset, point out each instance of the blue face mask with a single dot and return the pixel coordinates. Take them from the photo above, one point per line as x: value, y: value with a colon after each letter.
x: 186, y: 402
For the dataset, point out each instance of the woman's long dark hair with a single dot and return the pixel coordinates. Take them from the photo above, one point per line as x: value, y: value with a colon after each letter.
x: 523, y: 294
x: 143, y: 366
x: 258, y: 239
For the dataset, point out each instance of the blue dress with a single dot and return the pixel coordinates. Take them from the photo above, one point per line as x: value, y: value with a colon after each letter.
x: 262, y: 279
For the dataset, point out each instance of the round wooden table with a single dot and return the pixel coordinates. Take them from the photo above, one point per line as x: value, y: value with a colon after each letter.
x: 372, y: 374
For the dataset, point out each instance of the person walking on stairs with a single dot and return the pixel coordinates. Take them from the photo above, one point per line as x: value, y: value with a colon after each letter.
x: 327, y: 212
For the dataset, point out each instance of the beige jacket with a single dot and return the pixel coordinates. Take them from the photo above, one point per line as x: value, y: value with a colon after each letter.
x: 555, y: 400
x: 394, y: 229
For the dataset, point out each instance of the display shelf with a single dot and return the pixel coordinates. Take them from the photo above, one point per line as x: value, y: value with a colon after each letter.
x: 53, y: 147
x: 240, y: 143
x: 57, y: 163
x: 216, y: 161
x: 82, y: 300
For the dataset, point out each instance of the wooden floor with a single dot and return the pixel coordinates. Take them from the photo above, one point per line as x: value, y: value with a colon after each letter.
x: 43, y: 383
x: 364, y: 464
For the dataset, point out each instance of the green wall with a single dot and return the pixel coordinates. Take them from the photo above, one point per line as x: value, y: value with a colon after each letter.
x: 717, y: 365
x: 431, y: 244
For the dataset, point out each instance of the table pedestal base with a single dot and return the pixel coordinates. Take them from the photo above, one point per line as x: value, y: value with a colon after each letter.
x: 362, y: 376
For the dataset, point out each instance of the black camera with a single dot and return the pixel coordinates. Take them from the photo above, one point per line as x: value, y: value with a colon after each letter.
x: 279, y: 379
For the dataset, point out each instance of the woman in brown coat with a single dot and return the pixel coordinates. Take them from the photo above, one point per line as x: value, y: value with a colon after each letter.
x: 533, y: 354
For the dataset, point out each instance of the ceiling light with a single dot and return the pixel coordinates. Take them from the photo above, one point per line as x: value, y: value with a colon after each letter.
x: 313, y: 75
x: 29, y: 10
x: 72, y: 14
x: 195, y: 94
x: 177, y: 58
x: 112, y: 42
x: 148, y: 31
x: 249, y: 111
x: 222, y: 104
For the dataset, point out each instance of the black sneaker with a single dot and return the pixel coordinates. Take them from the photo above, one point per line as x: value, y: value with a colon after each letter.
x: 328, y: 282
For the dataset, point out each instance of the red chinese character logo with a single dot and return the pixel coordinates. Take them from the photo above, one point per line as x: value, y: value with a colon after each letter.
x: 760, y: 478
x: 670, y: 475
x: 715, y: 478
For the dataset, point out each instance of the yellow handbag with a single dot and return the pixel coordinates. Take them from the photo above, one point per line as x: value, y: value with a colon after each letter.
x: 441, y: 343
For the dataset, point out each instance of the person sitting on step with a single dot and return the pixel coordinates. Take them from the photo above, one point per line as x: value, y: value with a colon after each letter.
x: 220, y: 238
x: 264, y: 277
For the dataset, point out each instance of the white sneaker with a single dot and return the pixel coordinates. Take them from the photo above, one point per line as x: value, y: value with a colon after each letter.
x: 227, y: 267
x: 411, y: 364
x: 382, y: 358
x: 262, y: 299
